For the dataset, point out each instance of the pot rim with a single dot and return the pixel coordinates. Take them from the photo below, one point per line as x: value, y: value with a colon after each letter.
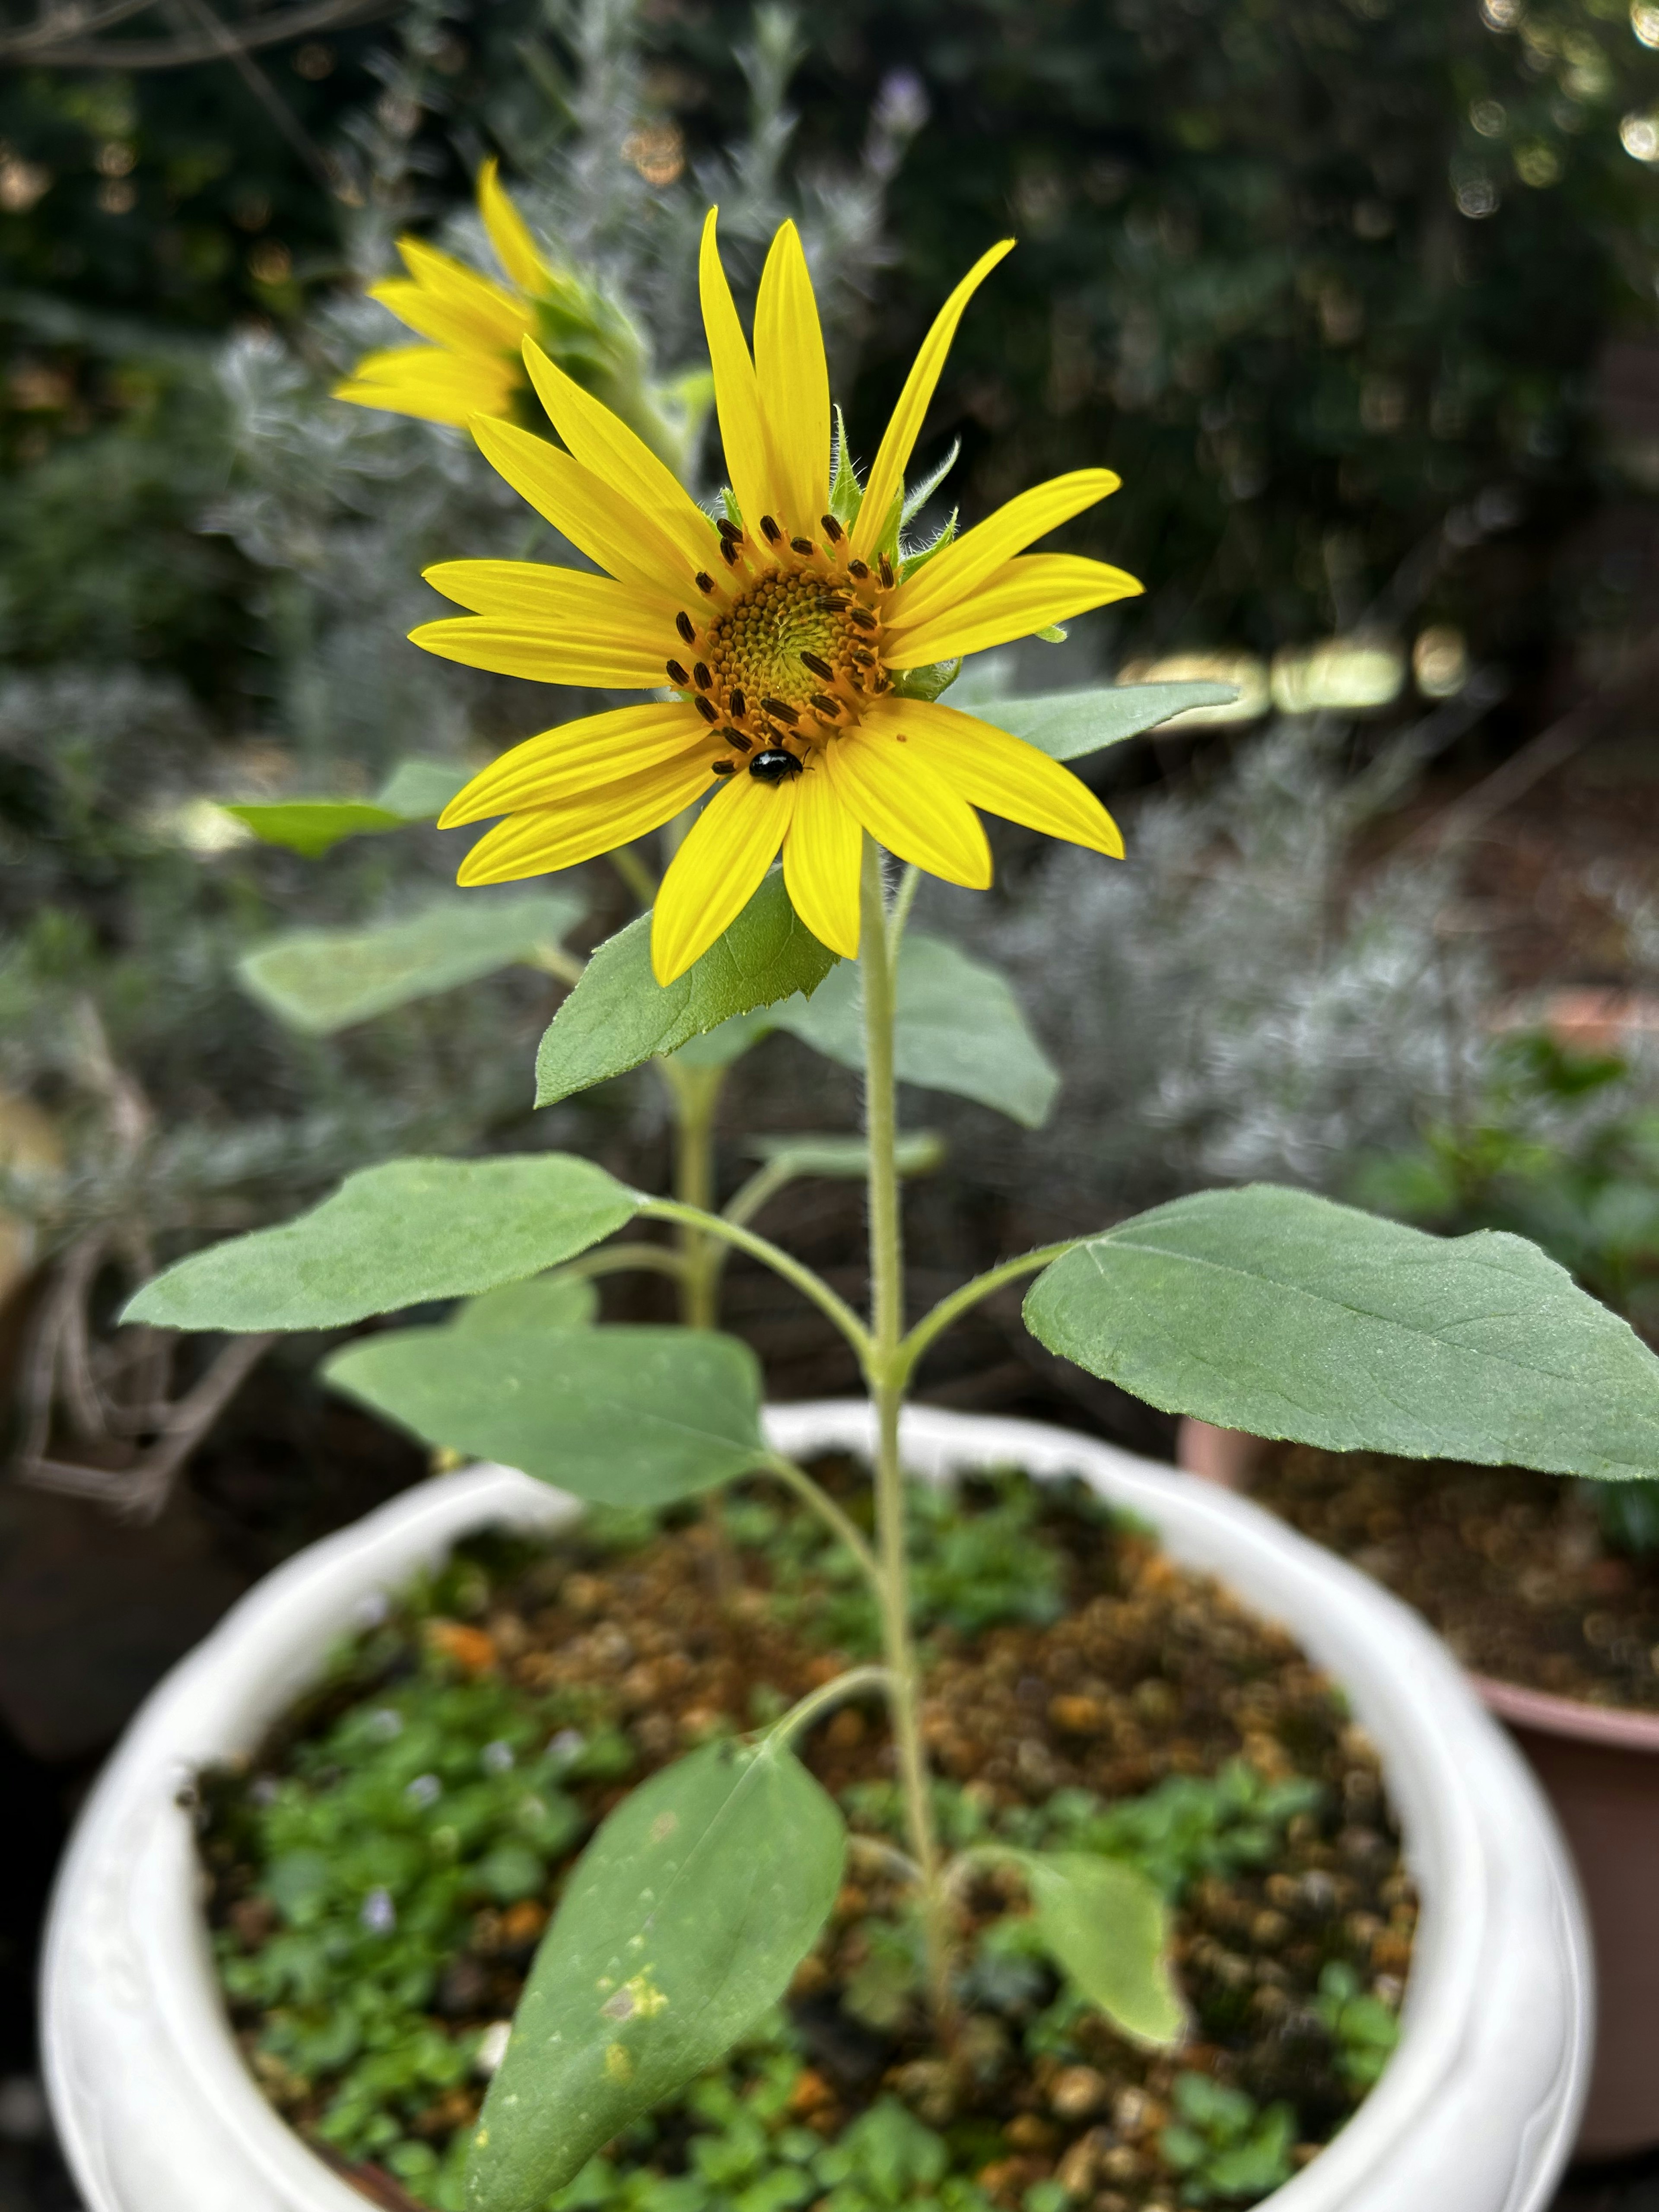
x: 1221, y: 1457
x: 1483, y: 2092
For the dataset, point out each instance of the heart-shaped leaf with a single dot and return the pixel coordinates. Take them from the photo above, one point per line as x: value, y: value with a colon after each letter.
x: 1066, y: 725
x: 619, y: 1015
x: 622, y: 1416
x: 1109, y: 1927
x: 1280, y: 1313
x: 322, y: 979
x: 394, y: 1236
x: 958, y: 1027
x: 682, y: 1921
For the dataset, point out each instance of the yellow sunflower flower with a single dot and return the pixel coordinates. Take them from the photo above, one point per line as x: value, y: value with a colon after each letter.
x: 475, y: 365
x: 781, y: 636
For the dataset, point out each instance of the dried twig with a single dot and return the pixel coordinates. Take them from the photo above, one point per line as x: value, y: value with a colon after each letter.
x: 58, y: 39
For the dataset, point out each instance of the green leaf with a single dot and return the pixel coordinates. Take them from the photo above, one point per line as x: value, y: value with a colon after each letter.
x: 542, y: 1302
x: 1066, y: 725
x: 625, y: 1416
x: 919, y: 1152
x: 682, y: 1921
x: 1280, y: 1313
x: 322, y: 979
x: 1109, y: 1927
x: 417, y: 790
x: 395, y: 1236
x: 618, y: 1015
x: 311, y: 827
x: 958, y: 1028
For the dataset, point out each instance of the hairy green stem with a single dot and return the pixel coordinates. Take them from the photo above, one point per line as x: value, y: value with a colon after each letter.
x: 696, y: 1095
x: 903, y: 899
x: 773, y: 1256
x: 618, y: 1259
x: 829, y: 1513
x: 762, y: 1187
x: 884, y: 1368
x: 851, y: 1683
x: 934, y: 1323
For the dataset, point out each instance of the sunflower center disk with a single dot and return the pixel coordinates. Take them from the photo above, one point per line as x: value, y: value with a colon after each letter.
x: 756, y: 647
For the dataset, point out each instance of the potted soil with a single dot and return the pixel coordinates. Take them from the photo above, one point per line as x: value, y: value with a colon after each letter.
x: 1559, y: 1627
x: 159, y: 2109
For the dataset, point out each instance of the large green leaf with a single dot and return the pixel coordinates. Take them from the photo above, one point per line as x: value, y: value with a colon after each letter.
x: 1068, y: 724
x: 958, y: 1028
x: 682, y: 1921
x: 417, y: 790
x: 395, y: 1236
x: 324, y: 980
x: 619, y: 1015
x: 625, y: 1416
x: 1282, y: 1314
x: 1108, y: 1926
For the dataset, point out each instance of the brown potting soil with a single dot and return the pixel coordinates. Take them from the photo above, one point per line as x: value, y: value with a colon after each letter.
x: 1510, y: 1566
x: 1149, y: 1672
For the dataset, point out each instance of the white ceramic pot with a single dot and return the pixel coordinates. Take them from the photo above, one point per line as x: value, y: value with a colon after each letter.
x: 1476, y: 2110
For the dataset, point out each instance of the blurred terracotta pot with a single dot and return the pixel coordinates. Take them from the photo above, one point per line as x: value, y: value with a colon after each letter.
x: 1600, y: 1769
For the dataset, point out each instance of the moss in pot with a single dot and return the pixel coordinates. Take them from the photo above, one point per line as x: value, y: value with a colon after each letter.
x: 686, y: 1918
x: 379, y: 1870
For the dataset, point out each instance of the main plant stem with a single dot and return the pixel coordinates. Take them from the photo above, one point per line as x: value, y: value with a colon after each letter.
x: 885, y: 1367
x: 695, y: 1092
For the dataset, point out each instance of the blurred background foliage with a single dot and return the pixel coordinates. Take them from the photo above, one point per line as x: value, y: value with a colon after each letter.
x: 1358, y: 293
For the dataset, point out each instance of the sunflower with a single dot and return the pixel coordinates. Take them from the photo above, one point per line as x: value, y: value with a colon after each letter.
x: 475, y: 364
x: 792, y: 634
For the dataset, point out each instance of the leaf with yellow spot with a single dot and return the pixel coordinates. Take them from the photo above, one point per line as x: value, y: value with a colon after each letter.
x: 683, y: 1920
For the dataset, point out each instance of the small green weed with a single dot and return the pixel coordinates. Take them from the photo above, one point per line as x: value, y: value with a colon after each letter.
x: 1223, y: 2145
x: 1362, y: 2028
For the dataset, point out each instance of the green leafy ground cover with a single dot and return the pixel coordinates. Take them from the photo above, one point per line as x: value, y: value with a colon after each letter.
x: 382, y: 1871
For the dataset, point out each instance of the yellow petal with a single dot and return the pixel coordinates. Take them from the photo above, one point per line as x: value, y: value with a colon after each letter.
x: 499, y: 316
x: 608, y: 529
x: 580, y: 755
x: 431, y: 385
x: 1021, y: 597
x: 515, y: 249
x: 962, y: 567
x: 909, y: 807
x: 737, y: 389
x: 794, y: 386
x: 559, y: 837
x: 1000, y: 772
x: 535, y: 591
x: 821, y: 860
x: 569, y: 657
x: 886, y: 476
x: 717, y: 869
x: 604, y: 444
x: 459, y: 327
